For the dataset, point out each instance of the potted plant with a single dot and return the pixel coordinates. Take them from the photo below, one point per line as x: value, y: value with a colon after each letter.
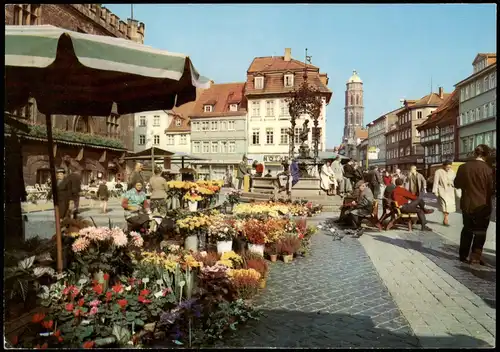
x: 233, y: 198
x: 272, y: 250
x: 223, y: 232
x: 190, y: 227
x: 260, y: 265
x: 193, y: 197
x: 254, y: 232
x: 288, y: 246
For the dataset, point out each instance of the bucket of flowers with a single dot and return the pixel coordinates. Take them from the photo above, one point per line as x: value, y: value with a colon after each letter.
x: 287, y: 246
x: 254, y: 231
x: 191, y: 227
x: 222, y: 230
x: 193, y: 197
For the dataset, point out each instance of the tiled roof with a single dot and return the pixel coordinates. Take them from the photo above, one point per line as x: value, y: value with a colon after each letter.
x: 488, y: 56
x: 393, y: 112
x: 441, y: 112
x: 276, y: 63
x: 221, y: 96
x: 361, y: 133
x: 182, y: 112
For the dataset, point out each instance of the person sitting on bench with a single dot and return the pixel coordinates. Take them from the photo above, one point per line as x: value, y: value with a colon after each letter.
x: 361, y: 208
x: 386, y: 201
x: 409, y: 203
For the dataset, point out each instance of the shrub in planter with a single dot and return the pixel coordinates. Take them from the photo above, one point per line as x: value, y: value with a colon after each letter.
x: 231, y: 260
x: 246, y: 282
x: 207, y: 258
x: 258, y: 264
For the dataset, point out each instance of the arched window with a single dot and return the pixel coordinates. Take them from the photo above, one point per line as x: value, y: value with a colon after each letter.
x: 82, y: 124
x: 352, y: 99
x: 349, y: 121
x: 357, y: 99
x: 358, y: 122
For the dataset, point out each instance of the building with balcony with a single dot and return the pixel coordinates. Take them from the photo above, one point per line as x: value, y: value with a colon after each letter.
x: 219, y: 129
x: 270, y: 80
x: 376, y: 136
x: 410, y: 117
x: 477, y: 107
x: 94, y: 144
x: 437, y: 132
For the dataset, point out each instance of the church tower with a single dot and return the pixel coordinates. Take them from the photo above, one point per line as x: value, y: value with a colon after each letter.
x: 354, y: 110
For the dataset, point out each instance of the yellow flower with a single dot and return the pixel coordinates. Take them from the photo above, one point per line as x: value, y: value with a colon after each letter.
x: 225, y: 262
x: 244, y: 273
x: 231, y: 256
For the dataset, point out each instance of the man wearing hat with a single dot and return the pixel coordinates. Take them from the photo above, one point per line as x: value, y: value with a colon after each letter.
x: 63, y: 193
x: 360, y: 208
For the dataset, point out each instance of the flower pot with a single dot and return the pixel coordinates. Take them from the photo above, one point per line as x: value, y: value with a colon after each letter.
x: 193, y: 206
x: 288, y: 258
x: 273, y: 257
x: 263, y: 283
x: 99, y: 276
x: 224, y: 246
x: 191, y: 243
x: 256, y: 248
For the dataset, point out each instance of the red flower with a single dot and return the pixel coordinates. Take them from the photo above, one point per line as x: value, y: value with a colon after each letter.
x: 166, y: 291
x: 48, y: 324
x: 38, y: 317
x: 117, y: 288
x: 14, y: 340
x: 60, y: 339
x: 144, y: 292
x: 98, y: 289
x: 77, y: 313
x: 57, y: 333
x: 131, y: 281
x: 109, y: 295
x: 301, y: 236
x: 42, y: 347
x: 143, y: 300
x: 106, y: 276
x: 88, y: 344
x: 81, y: 302
x: 122, y: 303
x: 69, y: 307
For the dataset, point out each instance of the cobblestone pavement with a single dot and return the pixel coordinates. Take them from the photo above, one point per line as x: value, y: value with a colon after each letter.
x: 437, y: 295
x: 332, y: 298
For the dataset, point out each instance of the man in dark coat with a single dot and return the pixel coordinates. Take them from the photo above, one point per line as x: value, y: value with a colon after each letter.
x: 374, y: 181
x: 349, y: 173
x: 74, y: 180
x: 361, y: 207
x: 475, y: 179
x: 63, y: 193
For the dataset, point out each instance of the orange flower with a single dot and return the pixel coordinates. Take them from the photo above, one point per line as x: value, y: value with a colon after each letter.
x: 48, y: 324
x: 88, y: 344
x: 81, y: 302
x: 106, y: 276
x: 117, y: 288
x: 38, y: 317
x: 98, y: 289
x: 69, y: 307
x: 122, y: 303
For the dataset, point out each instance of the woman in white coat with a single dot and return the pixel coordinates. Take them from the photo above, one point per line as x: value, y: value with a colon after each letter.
x: 445, y: 191
x: 327, y: 178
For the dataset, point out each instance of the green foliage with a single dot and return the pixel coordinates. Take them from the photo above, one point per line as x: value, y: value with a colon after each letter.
x: 40, y: 131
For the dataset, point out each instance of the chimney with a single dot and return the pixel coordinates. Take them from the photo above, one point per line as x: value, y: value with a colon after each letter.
x: 288, y: 54
x: 441, y: 94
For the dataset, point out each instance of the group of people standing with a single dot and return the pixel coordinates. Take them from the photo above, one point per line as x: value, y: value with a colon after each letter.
x: 339, y: 179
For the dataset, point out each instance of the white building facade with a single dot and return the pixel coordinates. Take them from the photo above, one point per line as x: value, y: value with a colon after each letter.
x: 150, y: 129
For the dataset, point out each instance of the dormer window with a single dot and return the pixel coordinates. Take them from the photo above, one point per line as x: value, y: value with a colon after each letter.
x: 177, y: 122
x: 289, y: 80
x: 233, y: 107
x: 259, y: 82
x: 207, y: 108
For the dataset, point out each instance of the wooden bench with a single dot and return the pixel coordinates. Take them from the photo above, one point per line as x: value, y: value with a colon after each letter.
x: 373, y: 218
x: 400, y: 217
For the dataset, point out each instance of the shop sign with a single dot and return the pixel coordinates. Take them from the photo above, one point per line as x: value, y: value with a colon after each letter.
x: 274, y: 158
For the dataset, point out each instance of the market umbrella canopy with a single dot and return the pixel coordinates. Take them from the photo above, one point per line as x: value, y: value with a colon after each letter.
x: 76, y: 73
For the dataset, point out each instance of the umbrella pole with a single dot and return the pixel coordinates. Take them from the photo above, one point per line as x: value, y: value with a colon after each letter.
x: 182, y: 162
x: 55, y: 197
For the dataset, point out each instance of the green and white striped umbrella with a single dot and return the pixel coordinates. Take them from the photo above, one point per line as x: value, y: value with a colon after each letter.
x: 75, y: 73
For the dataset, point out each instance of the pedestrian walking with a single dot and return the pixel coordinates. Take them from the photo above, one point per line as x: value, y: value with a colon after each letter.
x: 103, y: 195
x: 444, y: 190
x: 475, y: 179
x: 374, y: 181
x: 242, y: 171
x: 416, y: 182
x: 63, y: 193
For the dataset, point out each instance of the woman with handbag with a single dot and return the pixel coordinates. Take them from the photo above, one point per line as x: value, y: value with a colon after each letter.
x: 444, y: 190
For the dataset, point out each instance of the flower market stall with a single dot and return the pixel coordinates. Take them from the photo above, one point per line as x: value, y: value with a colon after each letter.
x: 118, y: 293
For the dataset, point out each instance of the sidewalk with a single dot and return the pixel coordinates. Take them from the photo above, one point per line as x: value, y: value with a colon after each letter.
x: 44, y: 205
x: 433, y: 302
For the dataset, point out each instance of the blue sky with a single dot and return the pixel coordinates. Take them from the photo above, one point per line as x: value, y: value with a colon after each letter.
x: 396, y: 49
